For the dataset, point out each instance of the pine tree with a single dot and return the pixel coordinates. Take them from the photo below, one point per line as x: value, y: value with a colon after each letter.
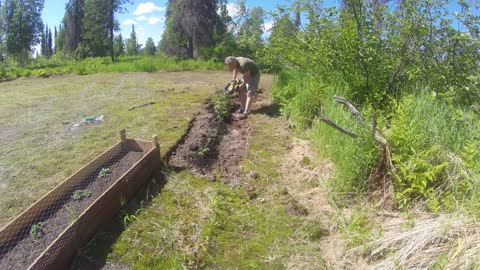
x: 72, y: 25
x: 149, y: 47
x: 190, y: 26
x: 49, y: 44
x: 132, y: 45
x: 118, y: 45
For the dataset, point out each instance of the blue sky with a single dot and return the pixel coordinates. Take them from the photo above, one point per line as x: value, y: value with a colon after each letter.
x: 148, y: 16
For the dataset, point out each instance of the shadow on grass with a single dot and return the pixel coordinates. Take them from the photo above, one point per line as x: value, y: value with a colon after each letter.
x: 94, y: 254
x: 272, y: 110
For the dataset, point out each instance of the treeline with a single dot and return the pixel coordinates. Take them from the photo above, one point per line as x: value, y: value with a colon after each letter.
x: 89, y: 28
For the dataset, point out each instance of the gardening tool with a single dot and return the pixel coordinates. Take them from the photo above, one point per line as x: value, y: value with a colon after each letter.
x: 233, y: 86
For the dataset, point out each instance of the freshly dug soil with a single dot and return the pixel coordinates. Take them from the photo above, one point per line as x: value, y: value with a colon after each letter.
x: 20, y: 252
x: 212, y: 148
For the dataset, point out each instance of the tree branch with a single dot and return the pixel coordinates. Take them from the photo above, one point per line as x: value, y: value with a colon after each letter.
x: 329, y: 122
x: 352, y: 109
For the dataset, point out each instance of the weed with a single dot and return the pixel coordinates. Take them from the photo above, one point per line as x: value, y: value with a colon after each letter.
x: 80, y: 194
x: 36, y: 230
x: 104, y: 172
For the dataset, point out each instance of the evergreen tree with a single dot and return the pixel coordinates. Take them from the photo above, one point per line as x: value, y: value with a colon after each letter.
x: 72, y: 26
x: 99, y: 25
x: 132, y: 45
x: 59, y: 39
x: 1, y: 32
x: 23, y: 26
x: 49, y: 49
x: 149, y: 47
x: 118, y: 45
x: 43, y: 43
x: 190, y: 26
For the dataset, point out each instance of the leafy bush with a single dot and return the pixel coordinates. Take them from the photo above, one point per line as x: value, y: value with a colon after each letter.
x: 222, y: 105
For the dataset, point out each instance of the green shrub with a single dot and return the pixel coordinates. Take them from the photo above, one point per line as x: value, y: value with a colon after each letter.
x: 222, y: 105
x: 434, y: 149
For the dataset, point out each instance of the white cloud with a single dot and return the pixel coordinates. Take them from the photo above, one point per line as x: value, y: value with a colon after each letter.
x: 154, y: 20
x: 148, y: 7
x: 233, y: 9
x: 151, y: 19
x: 129, y: 22
x: 267, y: 26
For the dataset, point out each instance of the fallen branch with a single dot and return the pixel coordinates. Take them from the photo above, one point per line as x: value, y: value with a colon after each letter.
x: 139, y: 106
x: 349, y: 105
x: 329, y: 122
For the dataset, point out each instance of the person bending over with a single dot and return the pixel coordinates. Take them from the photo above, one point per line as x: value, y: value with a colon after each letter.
x: 251, y: 77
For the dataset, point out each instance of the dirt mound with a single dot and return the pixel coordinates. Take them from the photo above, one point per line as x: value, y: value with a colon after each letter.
x: 212, y: 148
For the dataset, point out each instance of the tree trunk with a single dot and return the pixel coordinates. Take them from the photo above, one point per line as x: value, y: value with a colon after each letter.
x: 111, y: 22
x: 189, y: 47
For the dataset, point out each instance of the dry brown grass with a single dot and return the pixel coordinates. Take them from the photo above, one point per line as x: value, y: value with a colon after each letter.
x: 440, y: 242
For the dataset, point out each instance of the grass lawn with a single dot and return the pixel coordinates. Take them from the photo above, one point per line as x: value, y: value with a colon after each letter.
x: 195, y: 224
x: 39, y: 149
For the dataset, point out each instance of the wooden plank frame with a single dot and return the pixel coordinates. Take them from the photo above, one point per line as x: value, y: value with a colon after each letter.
x: 60, y: 252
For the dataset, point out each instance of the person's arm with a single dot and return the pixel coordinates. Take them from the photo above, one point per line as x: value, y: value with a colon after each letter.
x: 235, y: 73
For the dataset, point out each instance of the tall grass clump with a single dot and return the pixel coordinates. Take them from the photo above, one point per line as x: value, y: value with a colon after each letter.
x: 435, y: 150
x: 303, y: 99
x: 300, y: 96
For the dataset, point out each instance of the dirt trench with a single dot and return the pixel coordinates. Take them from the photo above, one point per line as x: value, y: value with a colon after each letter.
x: 212, y: 148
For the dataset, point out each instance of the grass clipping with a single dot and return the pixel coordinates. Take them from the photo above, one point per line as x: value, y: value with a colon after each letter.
x: 446, y: 241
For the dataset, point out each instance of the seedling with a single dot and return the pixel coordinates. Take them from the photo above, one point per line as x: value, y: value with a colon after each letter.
x: 104, y: 172
x: 202, y: 152
x: 72, y: 214
x: 80, y: 194
x: 36, y: 230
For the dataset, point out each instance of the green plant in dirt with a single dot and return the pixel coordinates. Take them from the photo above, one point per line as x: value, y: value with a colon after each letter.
x: 222, y: 105
x: 104, y: 172
x: 80, y: 194
x: 203, y: 151
x: 36, y: 230
x: 72, y: 214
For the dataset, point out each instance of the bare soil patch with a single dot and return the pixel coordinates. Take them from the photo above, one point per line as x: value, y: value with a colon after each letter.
x: 212, y: 148
x: 20, y: 252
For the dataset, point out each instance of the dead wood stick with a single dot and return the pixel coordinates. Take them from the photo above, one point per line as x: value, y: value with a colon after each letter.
x: 139, y: 106
x: 329, y: 122
x: 352, y: 108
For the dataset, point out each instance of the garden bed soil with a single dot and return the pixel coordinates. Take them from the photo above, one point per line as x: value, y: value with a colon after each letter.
x: 212, y: 148
x: 22, y: 251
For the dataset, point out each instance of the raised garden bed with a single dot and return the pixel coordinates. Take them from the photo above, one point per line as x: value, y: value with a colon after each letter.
x: 48, y: 233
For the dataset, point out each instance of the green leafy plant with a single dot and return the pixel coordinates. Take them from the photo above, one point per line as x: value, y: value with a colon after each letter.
x: 202, y: 152
x: 104, y: 172
x: 80, y: 194
x: 222, y: 105
x: 36, y: 230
